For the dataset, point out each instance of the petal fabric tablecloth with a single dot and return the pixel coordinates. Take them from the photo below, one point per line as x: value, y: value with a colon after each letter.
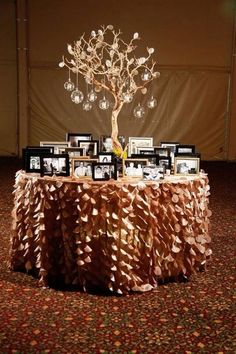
x: 117, y: 235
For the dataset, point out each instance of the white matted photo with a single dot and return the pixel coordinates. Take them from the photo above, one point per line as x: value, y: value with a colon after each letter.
x: 56, y: 145
x: 186, y: 165
x: 137, y: 142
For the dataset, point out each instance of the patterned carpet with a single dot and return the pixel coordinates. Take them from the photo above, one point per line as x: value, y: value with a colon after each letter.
x: 189, y: 317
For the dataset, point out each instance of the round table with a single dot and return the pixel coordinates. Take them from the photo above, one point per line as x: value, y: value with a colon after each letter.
x: 121, y: 236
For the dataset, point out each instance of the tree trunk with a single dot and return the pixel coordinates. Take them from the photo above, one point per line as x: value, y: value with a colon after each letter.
x: 114, y: 132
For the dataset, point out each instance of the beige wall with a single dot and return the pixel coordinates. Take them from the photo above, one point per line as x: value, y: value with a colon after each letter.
x: 193, y: 42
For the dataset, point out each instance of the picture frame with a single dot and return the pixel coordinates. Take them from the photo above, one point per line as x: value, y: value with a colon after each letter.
x: 90, y: 147
x: 72, y: 151
x: 152, y: 158
x: 54, y: 164
x: 133, y: 167
x: 104, y: 171
x: 145, y: 150
x: 164, y: 161
x: 172, y: 146
x: 138, y: 141
x: 55, y: 144
x: 105, y: 143
x: 186, y: 165
x: 153, y: 173
x: 82, y: 167
x: 35, y: 151
x: 184, y: 150
x: 73, y: 138
x: 162, y: 151
x: 106, y: 157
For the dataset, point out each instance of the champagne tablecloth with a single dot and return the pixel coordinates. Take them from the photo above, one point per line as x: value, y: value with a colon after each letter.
x: 117, y: 235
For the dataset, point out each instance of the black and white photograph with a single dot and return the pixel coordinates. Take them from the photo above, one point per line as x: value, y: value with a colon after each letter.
x: 105, y: 142
x: 82, y: 167
x: 186, y: 165
x: 164, y: 161
x: 172, y: 147
x: 31, y: 157
x: 57, y: 165
x: 56, y: 145
x: 152, y: 158
x: 73, y: 138
x: 103, y: 171
x: 184, y: 149
x: 105, y: 157
x: 162, y: 151
x: 135, y: 142
x: 134, y: 167
x: 72, y: 151
x: 153, y: 173
x: 90, y: 147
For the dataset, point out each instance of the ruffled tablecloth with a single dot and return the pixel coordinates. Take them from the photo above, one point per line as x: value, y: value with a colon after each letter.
x: 117, y: 235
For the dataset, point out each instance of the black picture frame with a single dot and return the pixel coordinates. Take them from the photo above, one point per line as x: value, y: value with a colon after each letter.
x: 164, y: 161
x: 73, y: 138
x: 184, y: 150
x: 104, y: 171
x: 74, y: 151
x: 54, y: 164
x: 162, y: 151
x: 152, y: 158
x: 35, y: 151
x: 90, y: 146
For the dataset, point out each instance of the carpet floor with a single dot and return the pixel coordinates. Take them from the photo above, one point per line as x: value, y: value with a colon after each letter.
x: 198, y: 316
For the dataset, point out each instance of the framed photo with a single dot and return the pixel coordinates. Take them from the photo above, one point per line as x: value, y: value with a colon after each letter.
x: 153, y: 173
x: 105, y: 157
x: 134, y: 167
x: 33, y: 164
x: 172, y: 147
x: 184, y: 149
x: 73, y: 138
x: 90, y: 147
x: 164, y: 161
x: 105, y: 142
x: 162, y: 151
x: 143, y: 150
x: 135, y: 142
x: 72, y: 151
x: 82, y: 167
x: 54, y: 164
x: 152, y: 158
x: 55, y: 144
x: 186, y: 165
x: 103, y: 171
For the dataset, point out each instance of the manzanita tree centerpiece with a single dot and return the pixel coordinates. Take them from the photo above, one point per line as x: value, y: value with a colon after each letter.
x: 107, y: 63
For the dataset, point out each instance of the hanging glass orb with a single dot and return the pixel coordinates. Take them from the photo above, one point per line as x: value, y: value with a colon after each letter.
x: 146, y: 75
x: 69, y: 85
x: 92, y: 96
x: 139, y: 111
x: 127, y: 97
x: 152, y: 102
x: 87, y: 105
x: 104, y: 103
x: 77, y: 96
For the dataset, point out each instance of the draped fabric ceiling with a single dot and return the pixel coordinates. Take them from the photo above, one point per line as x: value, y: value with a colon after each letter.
x: 193, y: 46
